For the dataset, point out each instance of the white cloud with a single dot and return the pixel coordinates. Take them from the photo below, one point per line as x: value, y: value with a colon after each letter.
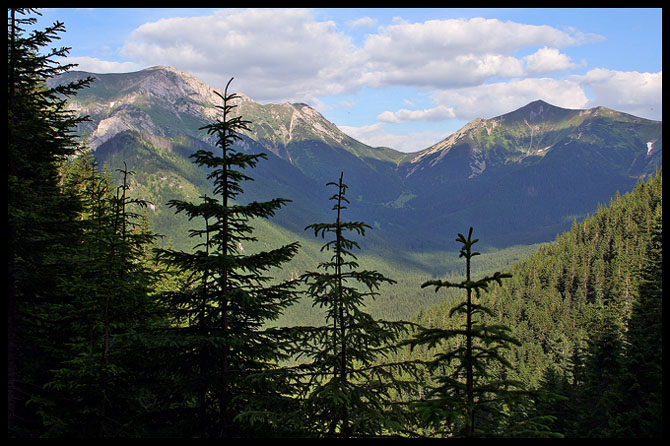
x: 546, y: 60
x: 407, y: 42
x: 461, y: 70
x: 640, y: 94
x: 276, y: 55
x: 93, y: 65
x: 363, y: 22
x: 376, y: 135
x: 636, y: 93
x: 458, y: 52
x: 471, y: 68
x: 287, y: 55
x: 439, y: 113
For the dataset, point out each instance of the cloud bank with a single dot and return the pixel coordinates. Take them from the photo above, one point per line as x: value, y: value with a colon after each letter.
x: 468, y: 67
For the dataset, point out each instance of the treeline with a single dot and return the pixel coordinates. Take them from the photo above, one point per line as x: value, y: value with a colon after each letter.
x: 111, y: 336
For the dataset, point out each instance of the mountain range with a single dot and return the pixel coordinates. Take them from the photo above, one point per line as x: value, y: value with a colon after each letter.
x: 519, y: 178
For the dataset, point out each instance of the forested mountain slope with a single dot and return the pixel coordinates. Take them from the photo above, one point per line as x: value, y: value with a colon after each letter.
x: 587, y: 309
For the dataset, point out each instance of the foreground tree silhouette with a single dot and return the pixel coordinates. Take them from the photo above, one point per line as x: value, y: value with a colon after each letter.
x: 467, y: 399
x: 96, y: 388
x: 41, y: 216
x: 349, y: 390
x: 220, y: 340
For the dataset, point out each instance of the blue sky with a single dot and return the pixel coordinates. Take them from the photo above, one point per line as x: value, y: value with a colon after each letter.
x: 400, y: 77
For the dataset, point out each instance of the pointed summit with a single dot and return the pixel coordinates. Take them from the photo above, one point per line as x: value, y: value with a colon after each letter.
x: 537, y: 111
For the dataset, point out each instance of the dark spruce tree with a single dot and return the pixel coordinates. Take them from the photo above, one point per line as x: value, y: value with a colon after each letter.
x: 96, y: 388
x: 221, y: 350
x: 348, y: 387
x: 470, y: 395
x: 42, y: 223
x: 642, y: 386
x: 600, y: 396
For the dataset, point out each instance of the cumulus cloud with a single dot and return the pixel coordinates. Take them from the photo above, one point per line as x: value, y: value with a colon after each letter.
x: 461, y: 70
x: 408, y: 42
x: 636, y: 93
x: 376, y: 135
x: 363, y: 22
x: 546, y: 60
x: 439, y: 113
x: 458, y: 52
x: 277, y: 55
x: 94, y: 65
x: 286, y: 54
x: 470, y: 67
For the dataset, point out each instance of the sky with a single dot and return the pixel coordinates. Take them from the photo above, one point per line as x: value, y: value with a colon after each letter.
x: 404, y: 78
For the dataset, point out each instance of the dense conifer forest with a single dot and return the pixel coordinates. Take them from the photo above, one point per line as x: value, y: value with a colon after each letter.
x: 110, y: 335
x: 586, y: 309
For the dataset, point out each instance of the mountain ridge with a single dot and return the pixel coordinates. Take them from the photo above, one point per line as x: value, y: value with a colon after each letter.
x: 533, y: 170
x: 547, y: 118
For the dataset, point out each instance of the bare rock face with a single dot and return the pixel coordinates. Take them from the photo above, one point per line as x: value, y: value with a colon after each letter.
x: 153, y: 100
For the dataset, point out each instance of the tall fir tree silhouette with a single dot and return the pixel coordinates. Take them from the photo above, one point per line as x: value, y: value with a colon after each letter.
x: 222, y: 311
x: 470, y: 397
x: 350, y: 391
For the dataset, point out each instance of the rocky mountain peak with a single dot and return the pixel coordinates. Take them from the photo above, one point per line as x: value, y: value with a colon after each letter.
x: 170, y: 84
x: 143, y: 100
